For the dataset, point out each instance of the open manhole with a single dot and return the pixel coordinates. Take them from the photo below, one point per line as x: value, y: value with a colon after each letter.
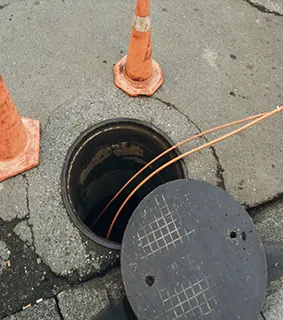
x: 98, y: 164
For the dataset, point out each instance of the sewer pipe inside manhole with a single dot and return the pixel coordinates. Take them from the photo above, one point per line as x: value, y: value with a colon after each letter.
x: 97, y: 165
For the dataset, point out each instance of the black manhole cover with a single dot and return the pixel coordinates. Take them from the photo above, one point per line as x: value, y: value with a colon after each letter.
x: 190, y: 251
x: 97, y: 165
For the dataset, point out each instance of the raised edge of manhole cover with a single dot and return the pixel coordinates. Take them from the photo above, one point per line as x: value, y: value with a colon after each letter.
x: 190, y: 251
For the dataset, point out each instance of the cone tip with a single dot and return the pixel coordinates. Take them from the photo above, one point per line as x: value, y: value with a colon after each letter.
x: 142, y: 8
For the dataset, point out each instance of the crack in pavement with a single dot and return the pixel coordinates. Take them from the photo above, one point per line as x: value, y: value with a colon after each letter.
x: 262, y: 8
x: 28, y: 279
x: 10, y: 226
x: 267, y: 203
x: 58, y: 308
x: 70, y: 281
x: 68, y: 286
x: 28, y: 208
x: 4, y: 5
x: 8, y: 4
x: 219, y: 169
x: 27, y: 193
x: 48, y: 120
x: 101, y: 274
x: 263, y: 317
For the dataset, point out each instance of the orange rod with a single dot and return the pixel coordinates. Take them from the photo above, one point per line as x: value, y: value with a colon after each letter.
x: 170, y: 149
x: 266, y: 115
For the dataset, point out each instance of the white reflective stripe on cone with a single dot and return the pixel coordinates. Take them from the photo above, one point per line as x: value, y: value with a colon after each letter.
x: 141, y: 24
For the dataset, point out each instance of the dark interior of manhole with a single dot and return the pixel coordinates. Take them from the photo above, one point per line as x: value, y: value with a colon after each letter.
x: 98, y: 164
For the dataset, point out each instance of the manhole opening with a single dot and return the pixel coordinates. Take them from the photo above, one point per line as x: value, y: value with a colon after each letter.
x: 97, y: 165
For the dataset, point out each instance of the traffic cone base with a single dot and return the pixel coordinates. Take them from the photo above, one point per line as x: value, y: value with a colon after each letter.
x: 29, y: 158
x: 135, y: 88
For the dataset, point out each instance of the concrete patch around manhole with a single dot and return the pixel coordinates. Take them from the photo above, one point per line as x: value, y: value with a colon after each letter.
x: 13, y: 203
x: 92, y: 298
x: 86, y: 301
x: 59, y: 243
x: 45, y: 310
x: 4, y: 256
x: 113, y: 284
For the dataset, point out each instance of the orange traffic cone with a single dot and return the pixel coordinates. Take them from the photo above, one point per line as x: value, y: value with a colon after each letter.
x: 19, y: 138
x: 137, y: 73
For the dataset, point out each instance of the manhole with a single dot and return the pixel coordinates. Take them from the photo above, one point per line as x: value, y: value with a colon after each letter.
x: 191, y: 252
x: 97, y: 165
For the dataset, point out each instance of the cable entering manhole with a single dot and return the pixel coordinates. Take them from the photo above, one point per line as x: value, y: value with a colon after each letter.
x: 100, y: 162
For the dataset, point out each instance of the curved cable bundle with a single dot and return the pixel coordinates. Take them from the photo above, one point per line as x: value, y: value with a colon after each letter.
x: 258, y: 118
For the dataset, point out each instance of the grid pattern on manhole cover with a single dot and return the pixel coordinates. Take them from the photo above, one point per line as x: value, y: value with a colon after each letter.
x: 196, y: 299
x: 163, y: 232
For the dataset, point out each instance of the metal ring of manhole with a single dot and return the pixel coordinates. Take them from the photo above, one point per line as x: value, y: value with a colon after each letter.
x: 190, y: 251
x: 98, y: 164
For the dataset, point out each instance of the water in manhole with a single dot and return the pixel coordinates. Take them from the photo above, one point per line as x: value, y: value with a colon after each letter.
x: 97, y: 165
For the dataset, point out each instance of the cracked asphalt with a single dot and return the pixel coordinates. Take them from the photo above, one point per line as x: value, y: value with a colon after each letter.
x: 268, y: 6
x: 222, y: 61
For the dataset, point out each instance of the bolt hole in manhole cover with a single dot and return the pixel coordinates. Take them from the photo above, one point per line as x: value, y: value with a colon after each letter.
x: 100, y: 161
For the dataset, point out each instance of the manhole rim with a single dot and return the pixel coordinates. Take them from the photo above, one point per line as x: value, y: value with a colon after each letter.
x: 68, y: 159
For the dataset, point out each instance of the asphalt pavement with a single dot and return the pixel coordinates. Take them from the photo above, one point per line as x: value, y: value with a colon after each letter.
x: 222, y: 61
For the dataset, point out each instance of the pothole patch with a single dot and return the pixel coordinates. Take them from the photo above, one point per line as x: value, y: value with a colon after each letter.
x: 56, y: 238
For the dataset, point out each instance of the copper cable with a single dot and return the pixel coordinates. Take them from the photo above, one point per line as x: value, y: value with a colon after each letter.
x: 170, y: 149
x: 252, y: 123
